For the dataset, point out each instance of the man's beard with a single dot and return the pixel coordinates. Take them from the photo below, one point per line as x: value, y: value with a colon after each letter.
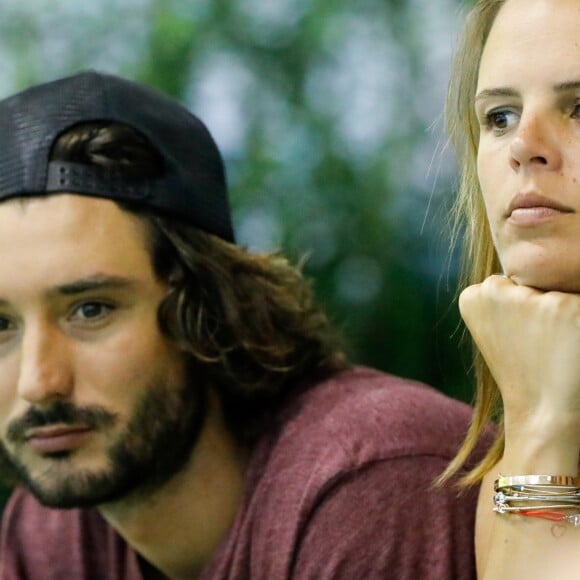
x: 155, y: 445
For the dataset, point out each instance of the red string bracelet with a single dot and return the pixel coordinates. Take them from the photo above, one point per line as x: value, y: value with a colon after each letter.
x: 552, y: 515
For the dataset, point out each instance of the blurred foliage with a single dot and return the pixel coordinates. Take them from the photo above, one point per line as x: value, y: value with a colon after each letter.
x: 326, y: 111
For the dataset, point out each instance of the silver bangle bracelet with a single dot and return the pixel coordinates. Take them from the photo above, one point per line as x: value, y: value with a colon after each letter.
x: 560, y: 480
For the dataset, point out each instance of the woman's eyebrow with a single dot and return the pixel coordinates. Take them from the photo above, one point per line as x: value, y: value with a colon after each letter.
x: 496, y: 92
x: 511, y: 92
x: 567, y: 86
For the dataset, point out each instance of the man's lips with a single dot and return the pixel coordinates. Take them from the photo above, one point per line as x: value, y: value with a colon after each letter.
x: 56, y: 439
x: 527, y: 203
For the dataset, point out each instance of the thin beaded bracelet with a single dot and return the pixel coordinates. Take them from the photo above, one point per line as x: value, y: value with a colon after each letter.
x: 533, y: 494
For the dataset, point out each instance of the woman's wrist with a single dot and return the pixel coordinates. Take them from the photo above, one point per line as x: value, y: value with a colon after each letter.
x: 538, y: 456
x: 540, y: 443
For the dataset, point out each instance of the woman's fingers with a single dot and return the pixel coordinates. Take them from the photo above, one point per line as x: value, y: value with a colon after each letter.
x: 530, y: 341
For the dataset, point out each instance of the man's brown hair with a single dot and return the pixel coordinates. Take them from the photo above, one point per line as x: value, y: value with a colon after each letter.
x: 249, y: 321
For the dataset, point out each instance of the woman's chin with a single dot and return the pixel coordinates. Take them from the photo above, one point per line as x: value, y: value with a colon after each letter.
x: 547, y: 281
x: 545, y: 264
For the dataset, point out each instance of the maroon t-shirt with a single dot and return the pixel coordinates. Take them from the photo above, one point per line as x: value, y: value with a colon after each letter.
x: 340, y: 489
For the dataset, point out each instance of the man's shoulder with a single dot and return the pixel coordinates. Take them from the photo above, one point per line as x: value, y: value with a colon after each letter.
x: 347, y: 471
x: 356, y: 424
x: 365, y: 410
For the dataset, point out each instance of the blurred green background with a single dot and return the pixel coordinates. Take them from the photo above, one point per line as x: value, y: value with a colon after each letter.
x: 328, y: 115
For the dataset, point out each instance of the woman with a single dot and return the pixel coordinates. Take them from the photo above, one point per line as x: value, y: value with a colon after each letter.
x: 514, y: 118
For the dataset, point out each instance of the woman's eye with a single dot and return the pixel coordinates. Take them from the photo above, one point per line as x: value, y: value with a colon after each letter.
x: 500, y: 119
x: 7, y: 329
x: 91, y: 311
x: 576, y: 111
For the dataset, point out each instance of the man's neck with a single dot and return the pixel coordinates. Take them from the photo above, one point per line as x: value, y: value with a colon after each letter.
x: 178, y: 527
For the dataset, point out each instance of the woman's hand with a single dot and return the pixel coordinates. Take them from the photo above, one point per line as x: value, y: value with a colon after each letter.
x: 530, y: 341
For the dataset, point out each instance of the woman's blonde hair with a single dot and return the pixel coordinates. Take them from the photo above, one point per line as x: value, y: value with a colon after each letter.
x: 480, y: 259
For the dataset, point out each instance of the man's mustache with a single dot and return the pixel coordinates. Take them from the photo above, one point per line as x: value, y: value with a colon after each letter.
x: 59, y: 413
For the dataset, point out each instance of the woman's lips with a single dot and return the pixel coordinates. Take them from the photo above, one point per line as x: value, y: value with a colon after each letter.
x: 57, y: 439
x: 529, y: 209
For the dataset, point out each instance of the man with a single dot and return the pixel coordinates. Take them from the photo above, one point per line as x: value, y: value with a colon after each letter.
x: 172, y: 406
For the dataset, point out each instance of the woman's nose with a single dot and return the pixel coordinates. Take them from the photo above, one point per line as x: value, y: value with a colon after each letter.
x: 535, y: 145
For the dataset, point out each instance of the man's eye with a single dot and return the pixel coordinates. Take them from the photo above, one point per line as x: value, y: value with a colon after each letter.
x: 5, y: 324
x: 91, y: 311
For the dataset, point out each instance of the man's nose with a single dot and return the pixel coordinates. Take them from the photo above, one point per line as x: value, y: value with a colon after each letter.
x: 45, y: 365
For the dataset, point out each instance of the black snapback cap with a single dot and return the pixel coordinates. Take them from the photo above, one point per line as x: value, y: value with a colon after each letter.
x: 192, y: 187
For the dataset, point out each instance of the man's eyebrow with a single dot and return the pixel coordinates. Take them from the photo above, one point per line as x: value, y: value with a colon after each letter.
x: 95, y: 282
x: 496, y: 92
